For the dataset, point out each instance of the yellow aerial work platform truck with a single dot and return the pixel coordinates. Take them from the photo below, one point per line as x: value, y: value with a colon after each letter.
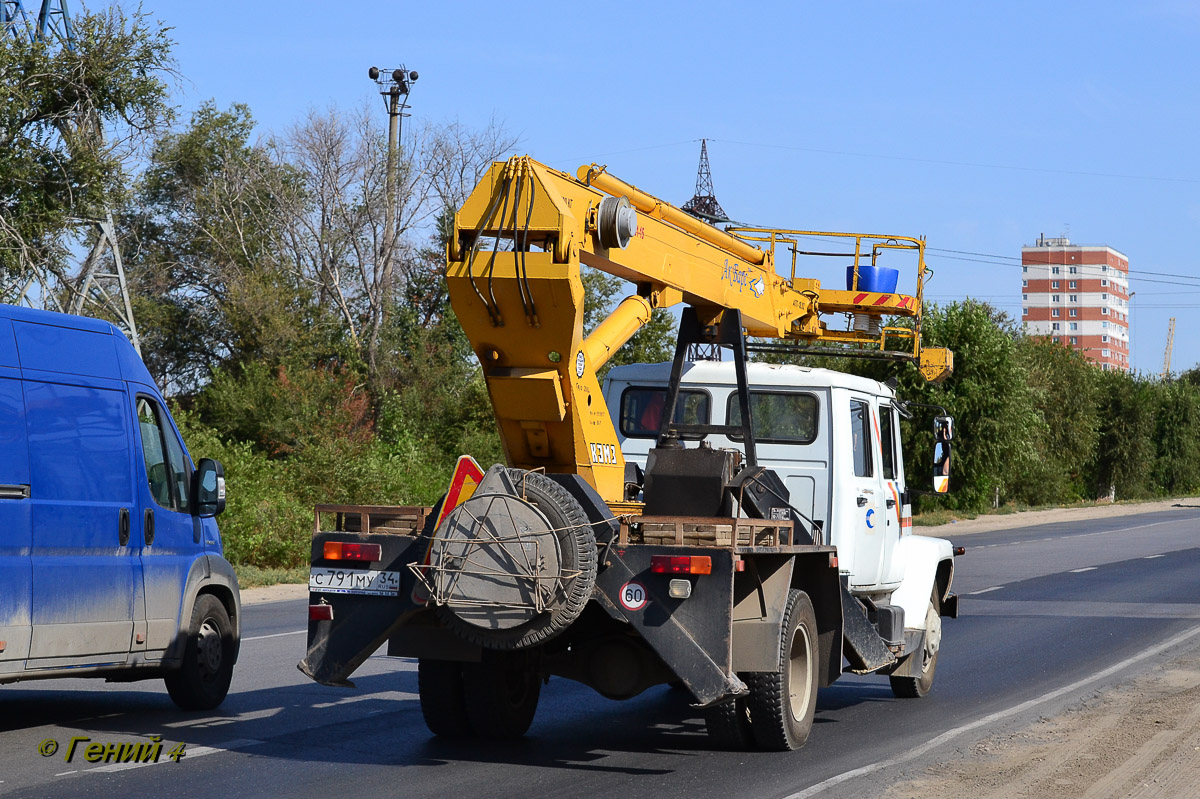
x: 741, y: 529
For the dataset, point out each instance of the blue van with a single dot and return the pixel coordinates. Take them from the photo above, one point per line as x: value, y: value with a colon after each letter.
x: 110, y: 558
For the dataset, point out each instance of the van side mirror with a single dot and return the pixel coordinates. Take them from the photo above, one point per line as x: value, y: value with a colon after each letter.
x: 208, y: 488
x: 943, y: 433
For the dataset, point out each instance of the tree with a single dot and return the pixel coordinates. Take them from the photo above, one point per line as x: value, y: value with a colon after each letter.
x: 205, y: 235
x: 72, y: 123
x: 1123, y: 460
x: 335, y: 238
x: 1064, y: 388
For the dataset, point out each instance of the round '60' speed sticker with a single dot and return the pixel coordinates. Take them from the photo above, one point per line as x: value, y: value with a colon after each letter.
x: 633, y: 596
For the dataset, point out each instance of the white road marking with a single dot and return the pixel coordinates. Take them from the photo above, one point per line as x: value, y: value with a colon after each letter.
x: 217, y: 721
x: 65, y: 773
x: 1152, y: 557
x: 199, y: 751
x: 395, y: 696
x: 274, y: 635
x: 1084, y: 569
x: 951, y: 734
x: 985, y: 590
x: 1080, y: 535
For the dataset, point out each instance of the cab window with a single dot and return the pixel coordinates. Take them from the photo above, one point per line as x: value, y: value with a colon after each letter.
x: 888, y: 435
x: 779, y: 417
x: 642, y: 410
x: 166, y: 465
x: 860, y: 431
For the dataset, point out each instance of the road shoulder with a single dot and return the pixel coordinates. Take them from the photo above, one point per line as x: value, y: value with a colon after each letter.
x: 1137, y: 738
x: 1012, y: 521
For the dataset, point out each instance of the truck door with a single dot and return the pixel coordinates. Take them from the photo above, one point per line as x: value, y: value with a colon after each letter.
x: 170, y: 534
x: 866, y: 494
x: 893, y: 486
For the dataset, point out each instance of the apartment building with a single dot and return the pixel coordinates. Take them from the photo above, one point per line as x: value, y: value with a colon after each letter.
x: 1078, y: 294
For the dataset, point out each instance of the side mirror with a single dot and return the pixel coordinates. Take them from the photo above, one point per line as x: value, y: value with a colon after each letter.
x: 943, y: 428
x: 208, y: 488
x: 943, y: 433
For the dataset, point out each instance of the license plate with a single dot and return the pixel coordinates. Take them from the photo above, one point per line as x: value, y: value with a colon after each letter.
x: 354, y: 581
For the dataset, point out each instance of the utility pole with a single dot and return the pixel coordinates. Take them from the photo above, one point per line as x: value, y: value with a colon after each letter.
x: 394, y: 88
x: 1166, y: 372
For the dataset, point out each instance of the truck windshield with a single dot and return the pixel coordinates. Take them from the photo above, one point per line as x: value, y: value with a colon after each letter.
x: 642, y: 409
x: 779, y: 417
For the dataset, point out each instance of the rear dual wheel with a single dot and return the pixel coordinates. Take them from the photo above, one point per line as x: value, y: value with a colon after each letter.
x: 777, y: 713
x: 495, y: 698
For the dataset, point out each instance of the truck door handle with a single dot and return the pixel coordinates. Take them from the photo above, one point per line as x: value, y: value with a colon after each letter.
x: 148, y: 526
x: 891, y: 503
x: 862, y: 501
x: 14, y: 491
x: 123, y: 526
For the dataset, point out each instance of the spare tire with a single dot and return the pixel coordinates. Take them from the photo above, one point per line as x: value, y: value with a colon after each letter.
x: 476, y: 603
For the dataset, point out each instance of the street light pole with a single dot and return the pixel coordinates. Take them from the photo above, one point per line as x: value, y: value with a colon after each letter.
x: 394, y: 88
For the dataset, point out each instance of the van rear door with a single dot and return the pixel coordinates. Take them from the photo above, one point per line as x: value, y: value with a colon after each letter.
x: 16, y: 574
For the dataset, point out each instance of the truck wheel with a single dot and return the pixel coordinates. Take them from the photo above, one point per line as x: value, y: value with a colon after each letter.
x: 440, y: 684
x: 915, y: 687
x: 202, y: 680
x: 501, y: 694
x: 577, y: 558
x: 729, y: 726
x: 782, y: 703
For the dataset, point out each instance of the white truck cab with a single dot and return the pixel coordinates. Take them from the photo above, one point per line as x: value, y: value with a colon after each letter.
x: 833, y: 438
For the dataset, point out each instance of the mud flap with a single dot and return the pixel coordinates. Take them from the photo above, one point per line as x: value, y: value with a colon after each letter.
x: 361, y: 624
x: 865, y: 650
x: 692, y: 636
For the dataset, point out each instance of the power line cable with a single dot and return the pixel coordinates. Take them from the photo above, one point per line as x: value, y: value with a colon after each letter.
x: 943, y: 162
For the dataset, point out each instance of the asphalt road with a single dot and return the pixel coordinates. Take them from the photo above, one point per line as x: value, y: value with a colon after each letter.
x: 1049, y: 614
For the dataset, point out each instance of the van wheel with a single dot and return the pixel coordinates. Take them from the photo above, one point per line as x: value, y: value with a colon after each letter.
x: 916, y: 687
x: 202, y: 681
x: 782, y: 704
x: 501, y: 693
x: 440, y: 685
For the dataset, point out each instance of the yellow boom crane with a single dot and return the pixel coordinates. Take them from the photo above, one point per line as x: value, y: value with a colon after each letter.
x: 521, y: 304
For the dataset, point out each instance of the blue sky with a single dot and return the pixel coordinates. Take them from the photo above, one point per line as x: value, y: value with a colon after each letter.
x: 976, y: 125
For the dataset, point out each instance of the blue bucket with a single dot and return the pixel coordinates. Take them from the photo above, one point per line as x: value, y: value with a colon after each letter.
x: 879, y: 279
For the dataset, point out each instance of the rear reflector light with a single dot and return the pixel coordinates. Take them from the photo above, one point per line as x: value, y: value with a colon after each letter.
x: 341, y: 550
x: 681, y: 564
x: 960, y: 551
x: 320, y: 612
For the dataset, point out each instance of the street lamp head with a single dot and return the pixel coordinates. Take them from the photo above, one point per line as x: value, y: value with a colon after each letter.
x: 412, y: 76
x: 373, y: 73
x: 398, y: 75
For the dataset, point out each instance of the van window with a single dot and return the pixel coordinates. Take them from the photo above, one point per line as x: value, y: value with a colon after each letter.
x: 642, y: 408
x: 860, y: 430
x: 78, y: 443
x: 888, y: 436
x: 166, y: 466
x: 779, y: 417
